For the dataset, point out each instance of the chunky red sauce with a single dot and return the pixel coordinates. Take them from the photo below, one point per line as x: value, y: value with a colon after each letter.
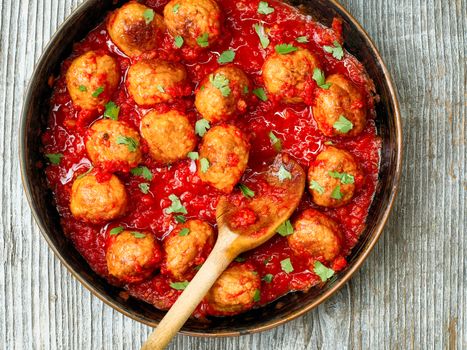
x: 293, y: 124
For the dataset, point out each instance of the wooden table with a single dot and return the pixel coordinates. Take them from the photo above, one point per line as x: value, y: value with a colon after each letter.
x: 411, y: 292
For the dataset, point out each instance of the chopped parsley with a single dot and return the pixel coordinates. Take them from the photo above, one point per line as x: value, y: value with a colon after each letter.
x: 138, y: 235
x: 198, y: 267
x: 239, y: 259
x: 148, y: 15
x: 111, y: 111
x: 144, y: 187
x: 319, y: 77
x: 130, y: 142
x: 268, y: 278
x: 286, y: 265
x: 343, y: 125
x: 285, y: 229
x: 329, y: 143
x: 184, y: 232
x: 267, y: 261
x: 336, y: 50
x: 263, y: 37
x: 83, y: 88
x: 221, y: 82
x: 203, y: 40
x: 143, y: 172
x: 176, y: 206
x: 246, y: 90
x: 180, y: 219
x: 261, y: 94
x: 346, y: 179
x: 201, y: 127
x: 314, y: 185
x: 257, y: 296
x: 161, y: 88
x: 264, y: 8
x: 193, y: 155
x: 54, y: 158
x: 226, y: 57
x: 116, y: 230
x: 179, y: 41
x: 283, y: 174
x: 322, y: 271
x: 98, y: 91
x: 176, y: 8
x: 179, y: 285
x: 275, y: 141
x: 336, y: 193
x: 204, y: 163
x: 302, y: 39
x: 285, y: 49
x: 248, y: 193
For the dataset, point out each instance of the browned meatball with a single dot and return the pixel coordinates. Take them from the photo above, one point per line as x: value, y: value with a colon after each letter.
x: 135, y: 28
x: 92, y: 79
x: 111, y: 142
x: 234, y: 291
x: 332, y: 178
x: 186, y: 247
x: 315, y: 236
x: 340, y: 110
x: 222, y: 94
x: 289, y: 76
x: 170, y: 136
x: 132, y: 256
x: 98, y: 202
x: 153, y: 81
x: 223, y: 157
x: 198, y: 22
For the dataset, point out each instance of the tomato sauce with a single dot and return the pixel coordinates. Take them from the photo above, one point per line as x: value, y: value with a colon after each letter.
x: 292, y: 123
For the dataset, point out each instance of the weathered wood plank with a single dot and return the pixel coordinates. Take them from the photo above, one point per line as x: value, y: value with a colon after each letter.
x: 411, y: 293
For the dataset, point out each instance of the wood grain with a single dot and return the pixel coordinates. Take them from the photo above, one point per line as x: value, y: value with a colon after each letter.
x: 410, y: 294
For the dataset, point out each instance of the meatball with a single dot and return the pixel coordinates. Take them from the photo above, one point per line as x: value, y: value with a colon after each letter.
x: 96, y: 202
x: 235, y: 290
x: 198, y: 22
x: 340, y: 110
x: 316, y: 236
x: 135, y: 28
x: 222, y: 94
x: 154, y: 81
x: 290, y: 76
x: 332, y: 177
x: 111, y: 142
x: 223, y: 157
x: 92, y: 79
x: 170, y: 136
x: 132, y: 256
x: 186, y: 247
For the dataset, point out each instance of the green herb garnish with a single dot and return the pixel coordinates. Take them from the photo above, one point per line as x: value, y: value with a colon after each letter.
x: 193, y: 155
x: 204, y: 164
x: 184, y: 232
x: 345, y: 178
x: 343, y: 125
x: 111, y: 111
x: 336, y: 193
x: 176, y: 206
x: 267, y: 278
x: 336, y: 50
x: 116, y: 230
x: 286, y: 265
x: 275, y: 141
x: 203, y: 40
x: 138, y: 235
x: 284, y: 49
x: 179, y: 285
x: 226, y: 57
x: 257, y: 296
x: 144, y: 187
x: 248, y: 193
x: 180, y: 219
x: 314, y: 185
x: 130, y: 142
x: 285, y: 229
x: 148, y: 15
x: 179, y: 41
x: 322, y: 271
x: 143, y: 172
x: 283, y: 174
x: 221, y: 82
x: 261, y: 94
x: 264, y: 8
x: 263, y: 37
x: 319, y: 77
x: 201, y: 127
x: 98, y: 91
x: 302, y: 39
x: 54, y: 158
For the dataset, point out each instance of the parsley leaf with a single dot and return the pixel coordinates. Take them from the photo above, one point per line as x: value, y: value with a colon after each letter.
x: 239, y: 259
x: 226, y: 57
x: 343, y: 125
x: 98, y: 91
x: 198, y: 267
x: 161, y: 88
x: 143, y: 172
x: 302, y: 39
x: 83, y: 88
x: 116, y: 230
x: 203, y: 40
x: 283, y: 174
x: 257, y: 296
x: 201, y: 127
x: 176, y: 8
x: 248, y: 193
x: 285, y: 49
x: 336, y: 193
x: 111, y: 111
x: 286, y: 229
x: 268, y: 278
x: 148, y: 15
x: 221, y: 82
x: 138, y: 235
x: 204, y: 163
x: 314, y: 185
x: 267, y: 261
x: 345, y: 178
x: 336, y: 50
x: 329, y: 143
x: 264, y: 8
x: 179, y: 41
x: 131, y: 143
x: 176, y: 206
x: 193, y: 155
x: 286, y: 265
x: 54, y: 158
x: 246, y: 90
x: 261, y: 94
x: 144, y: 187
x: 275, y: 141
x: 179, y: 285
x: 318, y: 76
x: 180, y: 219
x: 184, y: 232
x: 263, y: 37
x: 322, y: 271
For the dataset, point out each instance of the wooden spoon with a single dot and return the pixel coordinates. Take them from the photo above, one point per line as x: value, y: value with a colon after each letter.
x: 243, y: 224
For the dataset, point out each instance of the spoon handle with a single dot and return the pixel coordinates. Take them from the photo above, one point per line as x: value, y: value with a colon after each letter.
x: 220, y: 257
